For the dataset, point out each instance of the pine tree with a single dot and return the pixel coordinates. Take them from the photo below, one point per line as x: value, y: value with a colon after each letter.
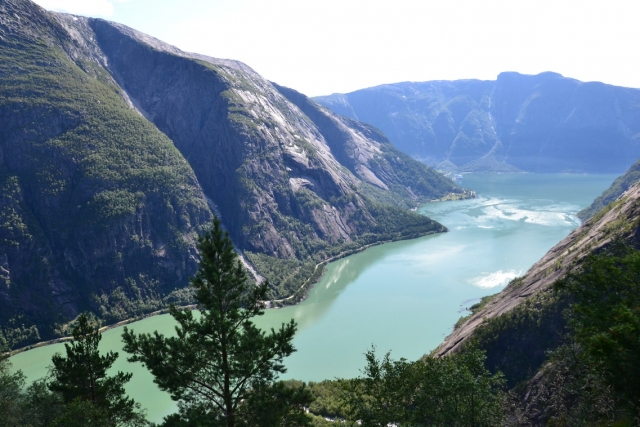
x: 11, y: 396
x: 218, y: 355
x: 81, y: 377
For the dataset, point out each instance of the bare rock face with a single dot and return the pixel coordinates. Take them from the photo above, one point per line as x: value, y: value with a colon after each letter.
x: 367, y: 152
x: 116, y: 149
x: 250, y: 145
x: 620, y: 219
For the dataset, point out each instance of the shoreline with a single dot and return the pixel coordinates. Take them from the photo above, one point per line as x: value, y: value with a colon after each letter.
x: 466, y: 195
x: 101, y: 330
x: 335, y: 258
x: 306, y: 287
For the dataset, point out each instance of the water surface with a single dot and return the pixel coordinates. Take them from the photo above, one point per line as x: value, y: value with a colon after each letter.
x: 404, y: 297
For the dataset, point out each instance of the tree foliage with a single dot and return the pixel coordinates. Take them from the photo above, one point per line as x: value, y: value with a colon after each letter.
x: 218, y: 356
x: 26, y: 406
x: 605, y: 318
x: 453, y: 390
x: 278, y: 404
x: 591, y: 377
x: 11, y: 398
x: 81, y: 378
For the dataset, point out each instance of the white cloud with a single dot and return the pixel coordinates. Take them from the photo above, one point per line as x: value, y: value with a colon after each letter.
x: 79, y: 7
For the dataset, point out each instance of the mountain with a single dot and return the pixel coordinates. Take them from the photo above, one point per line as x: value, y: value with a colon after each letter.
x: 539, y: 123
x: 116, y: 149
x: 619, y: 186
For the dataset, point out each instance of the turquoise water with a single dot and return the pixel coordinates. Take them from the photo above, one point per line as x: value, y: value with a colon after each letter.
x: 404, y: 297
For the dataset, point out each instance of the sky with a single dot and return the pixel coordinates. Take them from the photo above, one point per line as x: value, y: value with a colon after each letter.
x: 319, y: 47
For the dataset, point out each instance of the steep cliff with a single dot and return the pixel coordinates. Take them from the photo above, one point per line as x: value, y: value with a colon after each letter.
x: 287, y: 189
x: 116, y: 148
x: 541, y: 123
x: 385, y: 168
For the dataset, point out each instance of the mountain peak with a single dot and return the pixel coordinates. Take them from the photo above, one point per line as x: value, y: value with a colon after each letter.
x: 545, y: 75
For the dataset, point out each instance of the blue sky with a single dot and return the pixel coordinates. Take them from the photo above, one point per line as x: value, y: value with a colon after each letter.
x: 328, y: 46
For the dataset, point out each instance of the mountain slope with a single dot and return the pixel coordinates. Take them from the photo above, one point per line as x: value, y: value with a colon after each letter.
x: 94, y: 198
x: 541, y: 123
x: 520, y: 324
x: 273, y: 175
x: 619, y: 186
x: 116, y: 148
x: 382, y: 169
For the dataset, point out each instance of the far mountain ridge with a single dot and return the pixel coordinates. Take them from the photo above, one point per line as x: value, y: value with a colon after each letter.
x: 533, y: 123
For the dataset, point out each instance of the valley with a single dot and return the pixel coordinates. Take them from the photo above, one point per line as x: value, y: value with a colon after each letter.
x: 402, y: 296
x: 444, y: 252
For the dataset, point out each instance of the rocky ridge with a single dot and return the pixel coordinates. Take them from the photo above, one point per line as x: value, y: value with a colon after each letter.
x: 619, y: 186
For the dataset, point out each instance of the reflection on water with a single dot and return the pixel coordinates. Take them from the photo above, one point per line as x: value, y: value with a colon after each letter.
x: 337, y: 276
x: 402, y: 296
